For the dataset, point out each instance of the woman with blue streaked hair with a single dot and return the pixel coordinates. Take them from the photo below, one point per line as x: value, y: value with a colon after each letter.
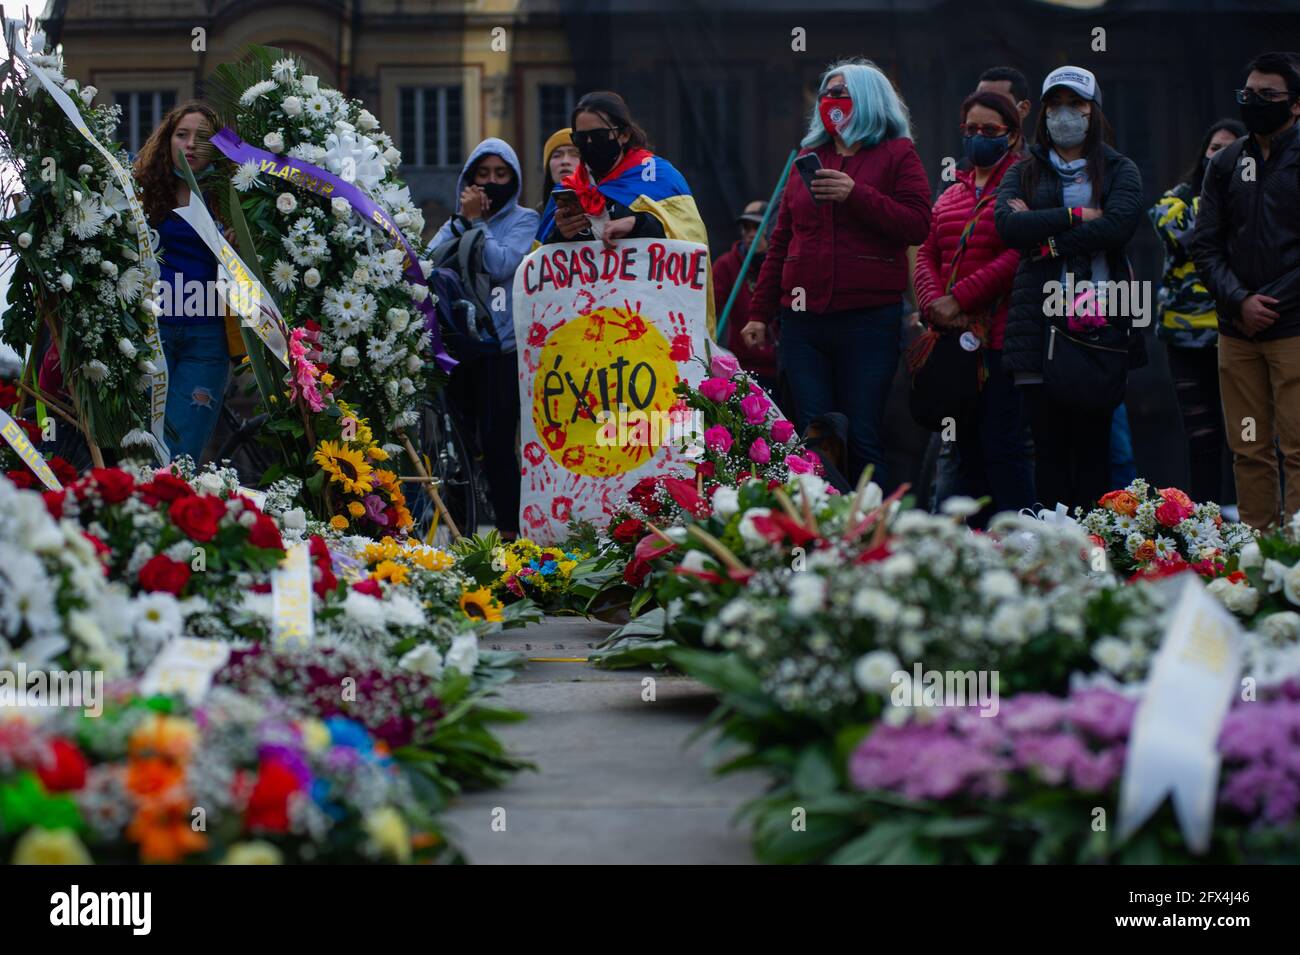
x: 836, y: 266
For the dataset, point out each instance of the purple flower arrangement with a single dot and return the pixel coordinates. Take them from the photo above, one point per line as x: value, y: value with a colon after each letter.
x: 398, y: 706
x: 1078, y: 742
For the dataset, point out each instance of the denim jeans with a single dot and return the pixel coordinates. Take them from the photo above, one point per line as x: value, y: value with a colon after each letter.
x: 844, y: 361
x: 198, y: 367
x: 1123, y: 468
x: 993, y: 459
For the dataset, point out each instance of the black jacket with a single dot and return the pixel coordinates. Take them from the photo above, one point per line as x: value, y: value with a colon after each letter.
x: 1247, y: 237
x: 1122, y: 210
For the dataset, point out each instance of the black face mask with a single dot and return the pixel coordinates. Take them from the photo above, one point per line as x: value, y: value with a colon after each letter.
x: 601, y: 155
x: 499, y: 194
x: 1265, y: 118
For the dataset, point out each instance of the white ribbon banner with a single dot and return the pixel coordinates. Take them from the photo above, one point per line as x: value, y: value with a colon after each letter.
x: 291, y: 599
x: 1173, y: 746
x: 158, y: 397
x: 245, y: 295
x: 13, y: 432
x: 186, y: 665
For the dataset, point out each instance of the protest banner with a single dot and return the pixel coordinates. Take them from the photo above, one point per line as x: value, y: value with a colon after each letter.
x: 604, y: 336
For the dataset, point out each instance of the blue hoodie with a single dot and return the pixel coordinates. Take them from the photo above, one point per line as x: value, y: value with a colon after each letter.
x: 509, y: 235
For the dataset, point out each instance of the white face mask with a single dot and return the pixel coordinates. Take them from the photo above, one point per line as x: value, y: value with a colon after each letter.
x: 1067, y: 126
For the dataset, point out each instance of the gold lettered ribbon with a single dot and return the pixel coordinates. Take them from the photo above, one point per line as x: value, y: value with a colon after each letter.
x: 291, y: 606
x: 245, y: 295
x: 13, y: 432
x: 158, y: 398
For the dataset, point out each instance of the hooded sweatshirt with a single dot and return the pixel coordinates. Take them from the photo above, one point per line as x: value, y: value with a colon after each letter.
x: 509, y: 234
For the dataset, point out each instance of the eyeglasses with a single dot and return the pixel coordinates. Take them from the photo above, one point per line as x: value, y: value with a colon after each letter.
x: 590, y: 136
x: 1248, y: 96
x: 988, y: 130
x: 838, y: 91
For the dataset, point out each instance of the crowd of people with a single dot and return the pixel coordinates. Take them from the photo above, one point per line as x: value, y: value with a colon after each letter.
x: 1001, y: 299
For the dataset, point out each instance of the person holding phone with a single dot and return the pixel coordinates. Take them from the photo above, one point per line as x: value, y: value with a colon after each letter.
x: 836, y: 265
x: 560, y: 159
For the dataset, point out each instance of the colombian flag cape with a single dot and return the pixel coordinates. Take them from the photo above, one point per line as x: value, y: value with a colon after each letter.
x: 645, y: 182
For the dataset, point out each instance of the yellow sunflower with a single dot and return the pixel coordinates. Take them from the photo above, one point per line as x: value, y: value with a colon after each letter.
x: 480, y: 605
x: 345, y: 466
x: 376, y: 453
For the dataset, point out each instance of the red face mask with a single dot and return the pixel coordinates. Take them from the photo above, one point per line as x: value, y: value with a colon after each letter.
x: 835, y: 113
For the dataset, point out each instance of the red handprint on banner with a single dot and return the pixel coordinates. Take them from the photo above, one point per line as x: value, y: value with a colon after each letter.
x: 681, y: 341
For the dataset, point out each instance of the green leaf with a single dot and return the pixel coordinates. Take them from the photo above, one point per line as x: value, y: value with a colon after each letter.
x: 878, y: 842
x: 815, y: 774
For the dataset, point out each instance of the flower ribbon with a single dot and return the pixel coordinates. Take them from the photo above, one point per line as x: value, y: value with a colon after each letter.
x: 12, y: 432
x: 323, y: 183
x: 144, y: 246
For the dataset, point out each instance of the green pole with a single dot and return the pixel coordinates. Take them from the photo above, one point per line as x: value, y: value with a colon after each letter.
x: 749, y: 254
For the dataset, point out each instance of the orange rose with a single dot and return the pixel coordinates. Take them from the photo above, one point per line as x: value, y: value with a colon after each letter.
x: 1145, y: 551
x: 1178, y: 497
x: 1121, y: 502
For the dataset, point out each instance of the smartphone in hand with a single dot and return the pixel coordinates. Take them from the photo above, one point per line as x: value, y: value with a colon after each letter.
x: 567, y: 199
x: 808, y: 165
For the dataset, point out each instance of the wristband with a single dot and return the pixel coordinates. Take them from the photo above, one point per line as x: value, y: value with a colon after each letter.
x: 1076, y: 215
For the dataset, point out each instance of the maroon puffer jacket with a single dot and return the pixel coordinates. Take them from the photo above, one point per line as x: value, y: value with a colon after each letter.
x: 987, y: 267
x: 850, y: 254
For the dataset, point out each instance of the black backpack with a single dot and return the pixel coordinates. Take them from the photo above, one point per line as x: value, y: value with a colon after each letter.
x: 464, y: 291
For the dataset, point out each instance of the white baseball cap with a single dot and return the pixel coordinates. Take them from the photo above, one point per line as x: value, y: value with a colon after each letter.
x: 1076, y: 78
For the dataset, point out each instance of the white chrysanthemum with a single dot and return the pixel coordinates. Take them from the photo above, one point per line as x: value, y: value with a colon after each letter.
x: 876, y: 604
x: 158, y: 618
x: 1112, y: 654
x: 95, y: 370
x: 364, y: 610
x: 283, y: 275
x: 255, y: 92
x: 85, y: 219
x: 807, y: 594
x: 1166, y: 549
x: 284, y: 71
x: 245, y: 177
x: 874, y: 672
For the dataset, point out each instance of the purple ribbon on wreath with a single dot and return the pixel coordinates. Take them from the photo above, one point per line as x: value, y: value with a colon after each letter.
x: 323, y: 183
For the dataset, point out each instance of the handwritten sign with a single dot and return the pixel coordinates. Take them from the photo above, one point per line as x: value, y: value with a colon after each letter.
x: 604, y: 338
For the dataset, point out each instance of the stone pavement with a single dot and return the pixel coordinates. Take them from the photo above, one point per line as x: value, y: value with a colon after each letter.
x: 614, y: 783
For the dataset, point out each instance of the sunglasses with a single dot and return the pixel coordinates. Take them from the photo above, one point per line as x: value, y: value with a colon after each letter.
x: 1248, y: 96
x: 988, y: 130
x: 590, y: 136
